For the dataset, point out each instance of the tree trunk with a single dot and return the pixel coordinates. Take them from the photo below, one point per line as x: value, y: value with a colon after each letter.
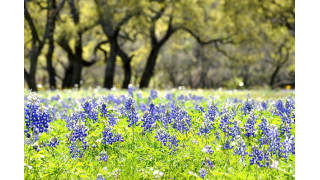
x: 127, y: 75
x: 51, y: 26
x: 109, y: 74
x: 149, y: 69
x: 273, y: 77
x: 126, y: 66
x: 67, y: 80
x: 51, y: 70
x: 33, y: 67
x: 77, y: 62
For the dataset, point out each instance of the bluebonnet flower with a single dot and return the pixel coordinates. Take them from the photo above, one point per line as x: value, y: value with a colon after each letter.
x: 76, y: 137
x: 207, y: 149
x: 103, y: 110
x: 248, y: 106
x: 75, y: 151
x: 286, y: 124
x: 169, y: 96
x: 264, y: 105
x: 133, y: 117
x: 143, y: 107
x: 280, y: 107
x: 205, y: 127
x: 90, y: 109
x: 174, y: 112
x: 109, y: 137
x: 35, y: 119
x: 149, y: 119
x: 104, y: 156
x: 240, y: 148
x: 79, y: 133
x: 289, y: 106
x: 153, y: 94
x: 225, y: 122
x: 202, y: 173
x: 71, y: 122
x: 208, y: 163
x: 287, y: 146
x: 173, y: 142
x: 100, y: 177
x: 112, y: 118
x: 235, y: 100
x: 264, y: 127
x: 55, y: 98
x: 131, y: 89
x: 139, y: 95
x: 181, y: 97
x: 182, y: 121
x: 227, y: 144
x: 249, y: 126
x: 162, y: 136
x: 54, y: 142
x: 261, y: 158
x: 199, y: 108
x: 108, y: 114
x: 36, y: 147
x: 53, y: 111
x: 213, y: 111
x: 165, y: 118
x: 117, y: 137
x: 217, y: 134
x: 274, y: 139
x: 196, y: 98
x: 128, y: 104
x: 235, y: 129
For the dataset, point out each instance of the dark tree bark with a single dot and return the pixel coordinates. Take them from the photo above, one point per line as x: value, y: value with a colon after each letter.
x: 37, y: 44
x: 73, y: 72
x: 52, y: 14
x: 109, y: 74
x: 273, y: 77
x: 155, y: 49
x: 149, y: 69
x: 127, y: 68
x: 36, y: 48
x: 111, y: 30
x: 284, y: 57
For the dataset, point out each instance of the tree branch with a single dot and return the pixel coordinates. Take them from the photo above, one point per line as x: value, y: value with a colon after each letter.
x: 74, y: 11
x: 220, y: 40
x: 94, y: 54
x: 59, y: 7
x: 30, y: 22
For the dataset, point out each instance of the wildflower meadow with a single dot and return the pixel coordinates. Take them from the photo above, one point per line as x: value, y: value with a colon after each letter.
x: 157, y: 134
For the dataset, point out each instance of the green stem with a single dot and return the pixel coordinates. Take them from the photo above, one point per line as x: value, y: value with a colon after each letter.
x: 133, y: 136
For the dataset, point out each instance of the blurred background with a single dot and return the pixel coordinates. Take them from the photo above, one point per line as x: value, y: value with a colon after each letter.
x: 247, y: 44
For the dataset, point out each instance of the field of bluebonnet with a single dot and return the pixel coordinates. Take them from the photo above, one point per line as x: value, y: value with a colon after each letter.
x: 149, y: 134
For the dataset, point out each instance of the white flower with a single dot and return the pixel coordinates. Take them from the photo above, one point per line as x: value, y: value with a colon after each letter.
x: 274, y: 164
x: 207, y: 149
x: 158, y: 174
x: 192, y: 173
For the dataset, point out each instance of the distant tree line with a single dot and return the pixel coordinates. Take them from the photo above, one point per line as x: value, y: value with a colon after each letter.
x: 159, y: 43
